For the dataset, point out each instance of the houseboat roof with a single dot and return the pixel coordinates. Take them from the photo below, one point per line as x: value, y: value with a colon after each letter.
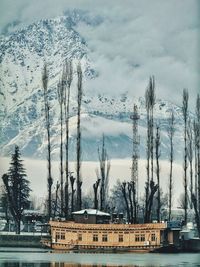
x: 91, y: 212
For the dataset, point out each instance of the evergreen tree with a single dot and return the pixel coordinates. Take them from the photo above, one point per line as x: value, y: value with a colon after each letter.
x: 17, y: 188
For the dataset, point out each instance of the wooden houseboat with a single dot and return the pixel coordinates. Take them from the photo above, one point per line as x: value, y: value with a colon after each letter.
x: 92, y: 230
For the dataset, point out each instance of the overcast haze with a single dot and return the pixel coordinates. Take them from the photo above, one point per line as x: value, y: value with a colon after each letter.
x: 135, y: 39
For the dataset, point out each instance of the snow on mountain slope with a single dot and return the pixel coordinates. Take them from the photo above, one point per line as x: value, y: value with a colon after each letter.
x: 22, y: 110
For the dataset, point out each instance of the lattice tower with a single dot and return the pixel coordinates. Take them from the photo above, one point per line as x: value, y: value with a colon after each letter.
x: 135, y: 153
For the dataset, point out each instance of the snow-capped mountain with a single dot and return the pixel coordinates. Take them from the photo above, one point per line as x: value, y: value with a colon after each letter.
x: 22, y: 110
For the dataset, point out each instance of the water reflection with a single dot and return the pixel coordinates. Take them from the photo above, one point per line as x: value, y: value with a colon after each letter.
x: 42, y: 258
x: 56, y: 264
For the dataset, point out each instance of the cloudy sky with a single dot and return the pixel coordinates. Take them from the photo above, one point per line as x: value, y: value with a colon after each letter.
x: 136, y: 39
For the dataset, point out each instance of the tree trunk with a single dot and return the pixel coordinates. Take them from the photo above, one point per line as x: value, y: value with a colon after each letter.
x: 47, y: 119
x: 95, y: 187
x: 56, y: 200
x: 150, y: 102
x: 69, y: 76
x: 153, y: 189
x: 158, y: 170
x: 171, y: 131
x: 72, y: 180
x: 185, y: 166
x: 131, y: 202
x: 78, y: 147
x: 197, y: 213
x: 123, y: 187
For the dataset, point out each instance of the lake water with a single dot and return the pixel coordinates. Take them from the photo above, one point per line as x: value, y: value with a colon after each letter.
x: 15, y: 257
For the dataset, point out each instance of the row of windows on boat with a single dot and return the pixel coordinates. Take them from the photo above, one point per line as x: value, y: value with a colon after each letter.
x: 104, y: 237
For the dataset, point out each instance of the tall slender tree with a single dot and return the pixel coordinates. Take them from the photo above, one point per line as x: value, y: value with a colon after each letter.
x: 56, y: 199
x: 153, y: 190
x: 124, y: 192
x: 95, y: 188
x: 17, y: 188
x: 104, y: 175
x: 195, y: 159
x: 47, y: 125
x: 150, y: 103
x: 148, y: 153
x: 60, y: 90
x: 130, y: 201
x: 185, y: 164
x: 158, y: 154
x: 171, y: 131
x: 190, y: 157
x: 78, y: 147
x: 72, y: 181
x: 196, y: 194
x: 68, y: 77
x: 197, y: 145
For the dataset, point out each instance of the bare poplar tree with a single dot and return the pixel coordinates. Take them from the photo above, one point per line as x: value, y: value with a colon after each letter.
x: 72, y: 181
x: 132, y: 197
x: 190, y: 156
x: 124, y: 192
x: 196, y: 194
x: 158, y: 153
x: 197, y: 145
x: 78, y: 148
x: 130, y: 200
x: 185, y: 165
x: 150, y: 102
x: 68, y: 77
x: 148, y: 153
x: 56, y: 199
x: 135, y: 202
x: 153, y: 189
x: 60, y: 90
x: 170, y: 131
x: 47, y: 125
x: 104, y: 175
x: 95, y: 187
x: 195, y: 159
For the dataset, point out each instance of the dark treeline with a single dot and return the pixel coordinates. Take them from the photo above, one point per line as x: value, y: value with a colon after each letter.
x: 65, y: 193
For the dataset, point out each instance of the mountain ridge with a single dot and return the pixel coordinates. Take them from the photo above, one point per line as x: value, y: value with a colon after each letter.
x: 22, y: 111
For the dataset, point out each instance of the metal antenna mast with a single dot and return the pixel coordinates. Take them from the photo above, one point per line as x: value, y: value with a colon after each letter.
x: 135, y: 156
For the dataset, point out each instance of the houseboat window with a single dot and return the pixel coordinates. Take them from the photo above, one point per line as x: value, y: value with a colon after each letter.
x: 57, y: 235
x: 62, y: 236
x: 104, y: 238
x: 95, y: 238
x: 137, y: 238
x: 121, y: 239
x: 153, y: 237
x: 79, y: 237
x: 142, y: 237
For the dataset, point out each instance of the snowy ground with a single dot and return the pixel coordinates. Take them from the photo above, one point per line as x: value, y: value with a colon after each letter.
x: 120, y: 169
